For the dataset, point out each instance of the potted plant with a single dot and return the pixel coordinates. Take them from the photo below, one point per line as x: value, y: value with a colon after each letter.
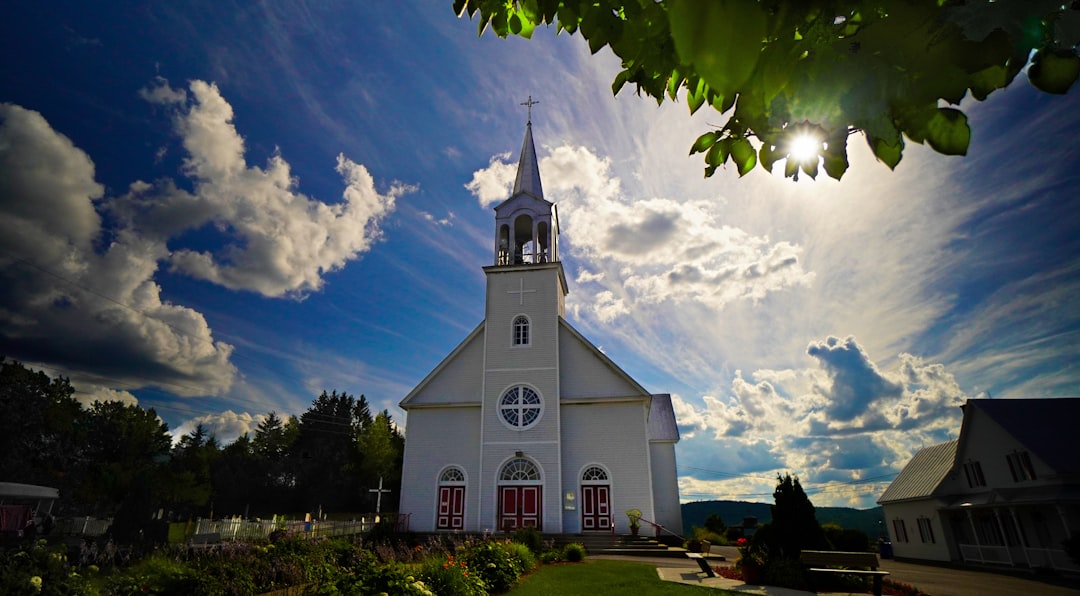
x: 751, y: 562
x: 635, y: 520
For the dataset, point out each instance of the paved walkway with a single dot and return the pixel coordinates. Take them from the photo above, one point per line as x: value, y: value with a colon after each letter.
x: 934, y: 580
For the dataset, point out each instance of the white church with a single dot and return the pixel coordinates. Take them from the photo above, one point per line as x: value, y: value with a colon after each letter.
x: 527, y: 423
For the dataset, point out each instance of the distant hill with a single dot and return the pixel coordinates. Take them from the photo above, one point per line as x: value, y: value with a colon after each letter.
x: 733, y: 512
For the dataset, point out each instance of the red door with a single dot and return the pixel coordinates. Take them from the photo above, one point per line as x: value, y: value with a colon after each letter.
x: 519, y: 506
x: 595, y: 507
x: 451, y: 508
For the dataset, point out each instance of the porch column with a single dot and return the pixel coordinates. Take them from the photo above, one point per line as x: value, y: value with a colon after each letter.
x: 1020, y: 536
x: 1004, y: 536
x: 1064, y: 521
x: 974, y: 534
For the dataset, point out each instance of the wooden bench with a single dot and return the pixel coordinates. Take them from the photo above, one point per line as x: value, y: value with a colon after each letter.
x: 824, y: 561
x: 204, y: 541
x: 703, y: 563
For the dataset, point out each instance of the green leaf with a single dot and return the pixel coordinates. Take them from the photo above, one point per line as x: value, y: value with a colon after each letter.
x: 674, y: 81
x: 948, y: 132
x: 744, y: 156
x: 515, y: 24
x: 988, y: 80
x: 696, y: 97
x: 721, y: 38
x: 888, y: 153
x: 791, y: 169
x: 1054, y: 71
x: 810, y: 168
x: 835, y: 155
x: 768, y: 155
x: 620, y: 80
x: 704, y: 142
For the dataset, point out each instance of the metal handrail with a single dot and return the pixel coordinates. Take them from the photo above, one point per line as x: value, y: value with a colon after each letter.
x: 661, y: 527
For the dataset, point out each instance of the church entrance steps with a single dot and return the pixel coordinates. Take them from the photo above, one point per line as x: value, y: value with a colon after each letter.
x: 616, y: 544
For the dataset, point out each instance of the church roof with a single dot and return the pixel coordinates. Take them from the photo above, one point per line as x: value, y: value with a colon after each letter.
x: 662, y: 425
x: 528, y: 174
x: 1044, y: 425
x: 923, y: 474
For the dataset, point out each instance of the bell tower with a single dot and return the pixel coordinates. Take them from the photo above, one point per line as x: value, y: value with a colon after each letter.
x: 525, y: 304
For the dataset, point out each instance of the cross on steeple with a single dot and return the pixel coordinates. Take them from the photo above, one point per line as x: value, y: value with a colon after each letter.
x: 529, y: 104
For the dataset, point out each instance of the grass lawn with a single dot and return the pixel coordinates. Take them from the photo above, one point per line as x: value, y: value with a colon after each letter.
x: 598, y: 577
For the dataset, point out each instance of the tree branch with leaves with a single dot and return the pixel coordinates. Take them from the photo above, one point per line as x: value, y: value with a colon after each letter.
x: 796, y: 78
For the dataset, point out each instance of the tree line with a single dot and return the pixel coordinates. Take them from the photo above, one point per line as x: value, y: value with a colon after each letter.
x: 118, y: 459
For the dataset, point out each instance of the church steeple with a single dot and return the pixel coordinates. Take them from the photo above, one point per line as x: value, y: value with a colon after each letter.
x: 526, y: 225
x: 528, y: 174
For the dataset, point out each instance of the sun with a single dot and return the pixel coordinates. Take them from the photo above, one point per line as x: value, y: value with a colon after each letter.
x: 804, y: 147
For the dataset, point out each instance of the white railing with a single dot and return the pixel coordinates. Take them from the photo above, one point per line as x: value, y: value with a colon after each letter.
x: 985, y: 554
x: 1053, y: 558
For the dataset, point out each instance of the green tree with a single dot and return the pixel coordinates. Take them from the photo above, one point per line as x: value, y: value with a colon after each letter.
x: 715, y: 524
x: 794, y: 526
x: 39, y: 429
x: 796, y: 78
x: 191, y: 471
x: 382, y: 449
x: 125, y: 445
x: 326, y: 460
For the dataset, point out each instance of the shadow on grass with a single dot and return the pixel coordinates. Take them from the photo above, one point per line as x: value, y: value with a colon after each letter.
x: 600, y: 577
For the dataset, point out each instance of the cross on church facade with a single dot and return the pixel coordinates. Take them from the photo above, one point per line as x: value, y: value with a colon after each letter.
x: 529, y: 104
x: 521, y: 291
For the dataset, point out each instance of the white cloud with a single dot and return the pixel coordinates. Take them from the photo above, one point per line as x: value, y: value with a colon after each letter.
x: 493, y: 184
x: 277, y: 240
x: 88, y: 394
x: 843, y: 420
x: 649, y: 251
x: 105, y: 307
x: 225, y: 426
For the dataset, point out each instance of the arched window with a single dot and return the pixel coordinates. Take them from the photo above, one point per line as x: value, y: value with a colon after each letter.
x: 521, y: 330
x: 594, y: 474
x: 519, y: 470
x: 452, y: 475
x: 520, y: 407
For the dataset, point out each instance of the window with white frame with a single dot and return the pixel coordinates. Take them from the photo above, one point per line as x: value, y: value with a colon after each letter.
x: 973, y: 472
x: 521, y: 330
x: 520, y: 407
x: 899, y: 531
x: 519, y: 469
x: 926, y: 530
x: 594, y: 474
x: 1020, y: 466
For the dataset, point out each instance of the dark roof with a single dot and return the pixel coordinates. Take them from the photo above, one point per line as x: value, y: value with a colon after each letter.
x: 662, y: 425
x: 922, y: 475
x: 1045, y: 426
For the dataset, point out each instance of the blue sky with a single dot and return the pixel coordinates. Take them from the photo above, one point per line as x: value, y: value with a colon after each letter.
x: 219, y: 209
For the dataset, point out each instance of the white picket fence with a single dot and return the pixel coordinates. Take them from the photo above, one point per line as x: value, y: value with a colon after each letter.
x: 243, y: 530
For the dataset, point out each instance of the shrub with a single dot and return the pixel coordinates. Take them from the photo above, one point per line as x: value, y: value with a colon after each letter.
x: 846, y: 539
x: 521, y: 557
x: 493, y: 564
x: 574, y: 552
x: 785, y: 573
x: 551, y: 556
x: 39, y: 568
x: 531, y: 538
x: 159, y: 574
x: 447, y: 575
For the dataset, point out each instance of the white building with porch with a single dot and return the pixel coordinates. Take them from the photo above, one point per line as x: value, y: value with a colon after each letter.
x: 1006, y: 492
x: 525, y: 422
